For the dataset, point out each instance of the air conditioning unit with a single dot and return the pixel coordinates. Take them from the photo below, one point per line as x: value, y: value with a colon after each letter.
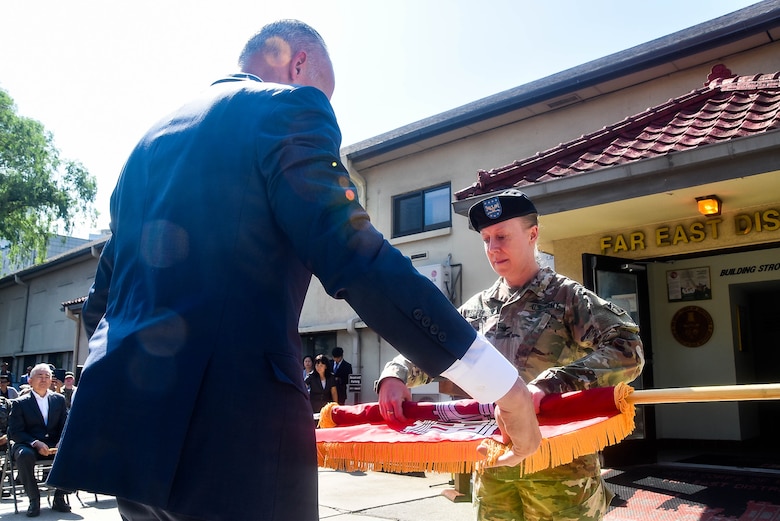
x: 439, y: 274
x: 428, y: 393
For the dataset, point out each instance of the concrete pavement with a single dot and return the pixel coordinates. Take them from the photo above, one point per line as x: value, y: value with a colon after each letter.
x: 369, y: 496
x: 376, y: 496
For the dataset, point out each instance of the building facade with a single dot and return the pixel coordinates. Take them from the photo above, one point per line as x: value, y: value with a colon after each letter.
x: 616, y: 184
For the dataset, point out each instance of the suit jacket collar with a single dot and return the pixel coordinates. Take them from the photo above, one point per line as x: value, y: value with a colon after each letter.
x: 239, y: 76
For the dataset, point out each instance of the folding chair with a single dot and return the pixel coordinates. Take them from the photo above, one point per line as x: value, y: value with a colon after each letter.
x: 41, y: 471
x: 5, y: 472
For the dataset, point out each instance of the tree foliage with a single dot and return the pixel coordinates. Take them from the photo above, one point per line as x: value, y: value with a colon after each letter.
x: 40, y: 193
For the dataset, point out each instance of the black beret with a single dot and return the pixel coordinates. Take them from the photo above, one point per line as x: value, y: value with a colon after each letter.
x: 502, y: 207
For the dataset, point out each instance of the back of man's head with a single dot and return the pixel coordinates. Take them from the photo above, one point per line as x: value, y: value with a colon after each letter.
x: 291, y: 53
x: 282, y: 37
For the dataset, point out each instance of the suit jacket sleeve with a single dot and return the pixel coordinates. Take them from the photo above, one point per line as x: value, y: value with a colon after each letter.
x: 17, y: 421
x: 314, y: 202
x: 95, y: 306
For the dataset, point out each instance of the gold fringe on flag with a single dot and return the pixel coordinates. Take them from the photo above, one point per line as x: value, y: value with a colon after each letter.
x: 326, y: 418
x: 462, y: 457
x: 565, y: 448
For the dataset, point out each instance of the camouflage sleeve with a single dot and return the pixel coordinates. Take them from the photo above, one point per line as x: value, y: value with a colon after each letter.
x: 609, y: 337
x: 403, y: 369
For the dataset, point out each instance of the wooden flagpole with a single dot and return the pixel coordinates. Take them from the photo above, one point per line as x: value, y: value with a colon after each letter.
x: 715, y: 393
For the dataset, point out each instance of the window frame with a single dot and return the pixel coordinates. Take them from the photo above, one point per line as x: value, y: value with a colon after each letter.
x: 397, y: 200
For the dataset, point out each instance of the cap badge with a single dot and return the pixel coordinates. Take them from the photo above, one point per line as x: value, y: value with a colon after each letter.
x: 492, y: 207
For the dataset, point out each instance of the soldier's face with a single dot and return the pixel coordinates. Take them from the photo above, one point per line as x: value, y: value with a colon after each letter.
x: 510, y: 247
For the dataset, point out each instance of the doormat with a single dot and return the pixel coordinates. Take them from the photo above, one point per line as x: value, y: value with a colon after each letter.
x: 753, y: 461
x: 712, y: 494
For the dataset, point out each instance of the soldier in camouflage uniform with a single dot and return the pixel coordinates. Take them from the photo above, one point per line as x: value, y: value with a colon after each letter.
x: 561, y: 337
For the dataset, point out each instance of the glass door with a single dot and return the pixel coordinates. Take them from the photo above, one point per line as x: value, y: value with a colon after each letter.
x: 624, y: 283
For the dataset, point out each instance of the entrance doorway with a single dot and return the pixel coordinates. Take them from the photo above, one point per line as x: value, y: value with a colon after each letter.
x: 624, y: 283
x: 756, y: 307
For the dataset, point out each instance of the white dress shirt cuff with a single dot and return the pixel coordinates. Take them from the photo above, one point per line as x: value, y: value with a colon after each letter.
x: 484, y: 373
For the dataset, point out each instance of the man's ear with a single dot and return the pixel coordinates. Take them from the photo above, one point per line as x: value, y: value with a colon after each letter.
x: 297, y: 64
x: 534, y: 233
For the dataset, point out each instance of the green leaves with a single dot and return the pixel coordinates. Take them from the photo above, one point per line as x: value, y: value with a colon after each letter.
x: 39, y: 193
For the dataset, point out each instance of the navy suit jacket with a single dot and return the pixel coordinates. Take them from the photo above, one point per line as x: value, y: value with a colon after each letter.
x: 25, y: 423
x: 222, y: 213
x: 342, y: 379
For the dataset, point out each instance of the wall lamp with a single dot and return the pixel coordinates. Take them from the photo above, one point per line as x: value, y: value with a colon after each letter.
x: 710, y: 205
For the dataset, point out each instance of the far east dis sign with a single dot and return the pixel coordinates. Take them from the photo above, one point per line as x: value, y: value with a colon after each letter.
x: 695, y: 232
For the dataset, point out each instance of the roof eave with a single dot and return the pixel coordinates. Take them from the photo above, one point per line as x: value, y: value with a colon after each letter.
x: 726, y: 29
x: 732, y: 159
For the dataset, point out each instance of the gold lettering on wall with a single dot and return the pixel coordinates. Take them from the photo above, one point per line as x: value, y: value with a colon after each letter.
x: 669, y: 236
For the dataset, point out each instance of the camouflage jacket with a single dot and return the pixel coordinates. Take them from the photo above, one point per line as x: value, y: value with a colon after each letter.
x: 560, y: 336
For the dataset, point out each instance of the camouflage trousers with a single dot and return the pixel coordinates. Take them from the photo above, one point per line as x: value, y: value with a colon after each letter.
x: 572, y: 492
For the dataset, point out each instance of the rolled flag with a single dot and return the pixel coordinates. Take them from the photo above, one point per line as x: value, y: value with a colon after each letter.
x: 443, y: 436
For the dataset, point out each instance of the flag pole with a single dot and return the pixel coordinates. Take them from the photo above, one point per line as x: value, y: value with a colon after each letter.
x: 715, y: 393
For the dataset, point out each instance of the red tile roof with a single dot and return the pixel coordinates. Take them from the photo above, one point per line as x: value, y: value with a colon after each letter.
x: 727, y: 107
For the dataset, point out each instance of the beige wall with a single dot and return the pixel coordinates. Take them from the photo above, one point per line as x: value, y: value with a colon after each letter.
x: 32, y: 321
x: 714, y: 362
x: 458, y: 162
x: 13, y: 306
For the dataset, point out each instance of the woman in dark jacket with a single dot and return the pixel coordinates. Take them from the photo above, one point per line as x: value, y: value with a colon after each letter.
x: 321, y: 384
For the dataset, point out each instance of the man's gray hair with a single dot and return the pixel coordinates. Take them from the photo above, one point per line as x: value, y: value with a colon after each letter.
x: 298, y: 35
x: 42, y: 367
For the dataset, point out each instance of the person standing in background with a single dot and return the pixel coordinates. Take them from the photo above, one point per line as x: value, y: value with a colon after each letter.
x: 68, y: 389
x: 341, y: 370
x: 321, y: 384
x: 308, y: 366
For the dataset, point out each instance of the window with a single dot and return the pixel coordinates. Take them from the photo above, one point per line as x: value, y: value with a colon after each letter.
x: 319, y: 344
x: 422, y: 211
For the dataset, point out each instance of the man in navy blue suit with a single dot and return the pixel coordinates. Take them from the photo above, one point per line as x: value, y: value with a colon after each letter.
x: 35, y: 426
x: 341, y: 370
x: 221, y: 215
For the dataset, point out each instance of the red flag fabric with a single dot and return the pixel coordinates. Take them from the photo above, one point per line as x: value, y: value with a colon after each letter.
x: 443, y: 436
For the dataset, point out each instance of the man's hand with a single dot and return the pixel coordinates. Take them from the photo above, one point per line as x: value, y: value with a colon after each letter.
x: 392, y: 394
x: 42, y: 448
x: 517, y: 420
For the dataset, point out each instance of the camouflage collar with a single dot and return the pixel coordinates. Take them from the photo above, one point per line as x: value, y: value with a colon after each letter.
x: 502, y: 292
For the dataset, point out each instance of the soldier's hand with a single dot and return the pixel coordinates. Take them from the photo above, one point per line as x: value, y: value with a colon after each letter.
x: 516, y: 418
x: 537, y: 394
x: 392, y: 394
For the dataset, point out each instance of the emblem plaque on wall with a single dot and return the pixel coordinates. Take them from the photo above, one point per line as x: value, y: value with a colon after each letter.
x: 692, y: 326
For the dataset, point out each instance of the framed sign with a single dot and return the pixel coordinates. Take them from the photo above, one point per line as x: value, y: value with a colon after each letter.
x: 354, y: 383
x: 692, y: 326
x: 689, y: 284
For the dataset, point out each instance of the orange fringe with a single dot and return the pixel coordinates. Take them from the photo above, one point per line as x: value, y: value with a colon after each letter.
x: 461, y: 457
x: 326, y: 417
x: 565, y: 448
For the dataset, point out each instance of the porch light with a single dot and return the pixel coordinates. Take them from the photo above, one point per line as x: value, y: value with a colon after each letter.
x: 710, y: 205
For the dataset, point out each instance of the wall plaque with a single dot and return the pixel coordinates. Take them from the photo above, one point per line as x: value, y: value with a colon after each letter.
x: 692, y: 326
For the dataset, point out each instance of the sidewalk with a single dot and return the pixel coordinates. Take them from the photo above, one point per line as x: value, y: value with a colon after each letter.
x: 673, y: 492
x: 370, y: 496
x: 378, y: 496
x: 102, y: 510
